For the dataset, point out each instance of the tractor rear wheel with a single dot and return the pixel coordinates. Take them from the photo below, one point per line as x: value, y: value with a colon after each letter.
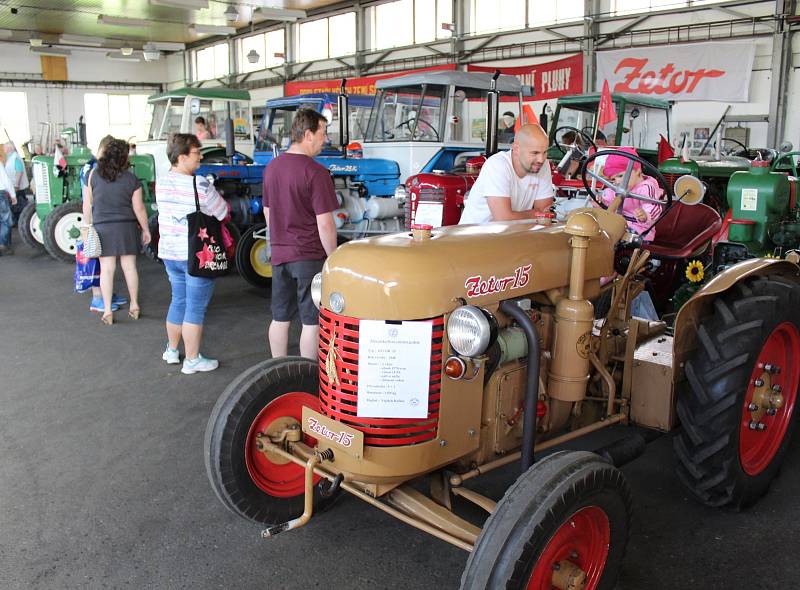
x: 266, y: 398
x: 253, y: 258
x: 737, y: 403
x: 62, y: 229
x: 565, y: 520
x: 30, y: 227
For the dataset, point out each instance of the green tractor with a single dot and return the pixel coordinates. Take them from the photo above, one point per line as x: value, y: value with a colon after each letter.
x: 52, y: 222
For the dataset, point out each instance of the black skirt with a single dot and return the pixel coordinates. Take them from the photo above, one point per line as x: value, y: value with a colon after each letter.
x: 119, y: 238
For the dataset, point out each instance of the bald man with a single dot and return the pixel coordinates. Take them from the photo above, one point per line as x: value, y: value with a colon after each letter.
x: 515, y: 184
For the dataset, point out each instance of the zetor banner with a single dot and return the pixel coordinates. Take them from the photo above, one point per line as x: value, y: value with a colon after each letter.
x: 693, y: 71
x: 364, y: 85
x: 549, y: 80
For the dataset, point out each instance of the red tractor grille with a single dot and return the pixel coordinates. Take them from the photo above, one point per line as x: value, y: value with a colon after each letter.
x: 339, y: 400
x: 671, y: 178
x: 417, y: 195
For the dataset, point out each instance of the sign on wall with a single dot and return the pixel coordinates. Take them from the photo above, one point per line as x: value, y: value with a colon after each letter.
x: 364, y: 85
x: 549, y: 80
x: 692, y: 71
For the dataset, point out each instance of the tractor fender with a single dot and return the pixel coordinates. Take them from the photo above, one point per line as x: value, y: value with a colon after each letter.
x: 688, y: 319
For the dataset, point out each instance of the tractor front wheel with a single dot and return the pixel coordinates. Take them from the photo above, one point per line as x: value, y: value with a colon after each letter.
x: 265, y: 400
x: 30, y: 227
x: 253, y: 258
x: 61, y: 231
x: 737, y: 403
x: 563, y: 524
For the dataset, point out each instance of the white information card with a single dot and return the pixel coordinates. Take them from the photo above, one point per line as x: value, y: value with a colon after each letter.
x: 394, y: 364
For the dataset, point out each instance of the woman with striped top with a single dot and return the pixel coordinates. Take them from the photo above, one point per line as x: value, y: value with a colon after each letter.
x: 190, y: 295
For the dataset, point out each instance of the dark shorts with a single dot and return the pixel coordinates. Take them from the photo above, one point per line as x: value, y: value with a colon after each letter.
x: 291, y: 289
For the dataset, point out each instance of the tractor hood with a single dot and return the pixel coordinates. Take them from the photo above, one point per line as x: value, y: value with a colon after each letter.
x: 397, y: 277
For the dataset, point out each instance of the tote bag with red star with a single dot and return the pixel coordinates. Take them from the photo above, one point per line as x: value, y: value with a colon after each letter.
x: 207, y: 256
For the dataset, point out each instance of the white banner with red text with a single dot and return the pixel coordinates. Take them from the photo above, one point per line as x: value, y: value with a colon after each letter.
x: 552, y: 79
x: 692, y: 71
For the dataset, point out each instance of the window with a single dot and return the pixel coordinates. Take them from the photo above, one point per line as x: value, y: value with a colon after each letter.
x: 126, y: 116
x: 497, y: 15
x: 327, y: 37
x: 211, y: 62
x: 619, y: 7
x: 406, y: 22
x: 266, y: 45
x: 14, y: 118
x: 548, y: 12
x: 413, y: 113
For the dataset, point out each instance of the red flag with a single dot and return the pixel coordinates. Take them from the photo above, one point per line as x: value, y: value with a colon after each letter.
x: 606, y: 112
x: 665, y: 150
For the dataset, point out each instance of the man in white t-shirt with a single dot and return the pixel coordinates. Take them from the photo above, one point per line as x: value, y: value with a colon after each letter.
x: 515, y: 184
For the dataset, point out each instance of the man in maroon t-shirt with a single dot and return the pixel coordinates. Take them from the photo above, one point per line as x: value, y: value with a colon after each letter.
x: 299, y: 201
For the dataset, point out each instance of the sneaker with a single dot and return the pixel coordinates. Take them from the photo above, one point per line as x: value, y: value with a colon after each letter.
x: 118, y: 300
x: 201, y: 364
x: 97, y: 305
x: 171, y: 355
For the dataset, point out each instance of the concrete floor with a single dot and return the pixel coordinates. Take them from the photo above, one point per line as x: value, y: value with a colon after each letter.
x: 102, y: 482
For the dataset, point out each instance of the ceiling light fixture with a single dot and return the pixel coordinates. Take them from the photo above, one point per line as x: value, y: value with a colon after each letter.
x: 126, y: 51
x: 212, y: 30
x: 150, y: 53
x: 121, y: 56
x: 231, y: 14
x: 185, y: 4
x: 67, y: 39
x: 35, y: 39
x: 121, y: 21
x: 284, y: 14
x: 253, y: 56
x: 165, y: 46
x: 50, y: 51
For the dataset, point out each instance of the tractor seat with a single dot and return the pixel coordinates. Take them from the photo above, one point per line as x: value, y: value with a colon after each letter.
x: 684, y: 231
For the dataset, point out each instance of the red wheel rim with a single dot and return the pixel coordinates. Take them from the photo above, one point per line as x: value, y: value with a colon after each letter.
x: 583, y: 539
x: 757, y: 448
x: 282, y: 480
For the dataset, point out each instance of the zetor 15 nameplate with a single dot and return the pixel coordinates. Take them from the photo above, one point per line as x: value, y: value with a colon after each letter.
x: 325, y: 430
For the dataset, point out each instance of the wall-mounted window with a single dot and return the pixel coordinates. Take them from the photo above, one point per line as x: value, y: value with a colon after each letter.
x: 266, y: 45
x: 408, y: 22
x: 126, y: 116
x: 620, y: 7
x: 548, y: 12
x: 14, y: 117
x: 327, y: 37
x: 497, y: 15
x: 211, y: 62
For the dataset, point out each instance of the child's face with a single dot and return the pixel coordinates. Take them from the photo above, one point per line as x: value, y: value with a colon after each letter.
x: 636, y: 178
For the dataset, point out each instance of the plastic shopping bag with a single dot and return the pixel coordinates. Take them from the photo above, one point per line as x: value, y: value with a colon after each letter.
x: 87, y: 270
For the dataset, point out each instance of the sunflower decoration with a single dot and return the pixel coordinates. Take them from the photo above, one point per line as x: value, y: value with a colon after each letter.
x: 695, y: 271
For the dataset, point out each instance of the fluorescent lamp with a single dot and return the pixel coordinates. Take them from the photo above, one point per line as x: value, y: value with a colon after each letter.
x: 50, y: 51
x: 212, y: 30
x: 165, y: 46
x: 81, y: 40
x: 121, y: 21
x: 278, y: 13
x: 35, y: 40
x: 119, y: 56
x: 186, y: 4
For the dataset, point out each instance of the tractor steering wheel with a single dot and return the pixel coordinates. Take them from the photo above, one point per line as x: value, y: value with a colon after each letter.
x: 647, y: 168
x: 742, y: 152
x: 563, y: 147
x: 417, y: 120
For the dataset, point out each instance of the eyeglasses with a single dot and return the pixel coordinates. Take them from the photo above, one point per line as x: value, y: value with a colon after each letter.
x: 194, y: 152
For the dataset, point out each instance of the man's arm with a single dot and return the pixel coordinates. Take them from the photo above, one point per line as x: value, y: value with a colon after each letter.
x: 500, y: 208
x: 326, y: 227
x: 266, y: 216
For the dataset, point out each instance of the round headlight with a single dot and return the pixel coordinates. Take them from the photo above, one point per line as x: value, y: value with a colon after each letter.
x: 400, y: 192
x: 336, y: 302
x: 316, y: 289
x: 469, y: 331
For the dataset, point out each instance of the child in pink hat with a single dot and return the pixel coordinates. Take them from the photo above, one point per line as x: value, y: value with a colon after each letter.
x: 638, y: 183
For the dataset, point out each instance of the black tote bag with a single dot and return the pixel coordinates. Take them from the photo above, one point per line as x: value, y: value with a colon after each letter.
x: 207, y: 257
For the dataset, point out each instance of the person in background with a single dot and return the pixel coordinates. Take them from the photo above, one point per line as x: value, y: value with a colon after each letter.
x: 514, y: 184
x: 299, y: 201
x: 8, y: 197
x: 96, y: 303
x: 201, y: 130
x: 15, y: 169
x: 175, y: 195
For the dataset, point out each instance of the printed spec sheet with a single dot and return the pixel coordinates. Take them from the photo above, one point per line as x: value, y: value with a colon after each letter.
x: 394, y: 367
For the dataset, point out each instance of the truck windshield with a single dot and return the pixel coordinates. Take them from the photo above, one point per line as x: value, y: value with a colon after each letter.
x: 170, y: 109
x: 410, y: 113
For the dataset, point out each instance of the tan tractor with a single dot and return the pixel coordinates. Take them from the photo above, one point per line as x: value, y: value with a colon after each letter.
x: 445, y: 354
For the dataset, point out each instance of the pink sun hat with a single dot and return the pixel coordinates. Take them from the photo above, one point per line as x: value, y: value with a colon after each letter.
x: 615, y: 164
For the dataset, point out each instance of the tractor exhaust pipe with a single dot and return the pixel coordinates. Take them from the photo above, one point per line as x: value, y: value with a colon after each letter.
x: 344, y: 118
x: 510, y: 308
x: 230, y: 142
x: 492, y: 114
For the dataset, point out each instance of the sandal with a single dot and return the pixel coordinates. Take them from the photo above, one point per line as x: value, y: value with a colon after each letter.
x: 134, y: 313
x: 108, y: 318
